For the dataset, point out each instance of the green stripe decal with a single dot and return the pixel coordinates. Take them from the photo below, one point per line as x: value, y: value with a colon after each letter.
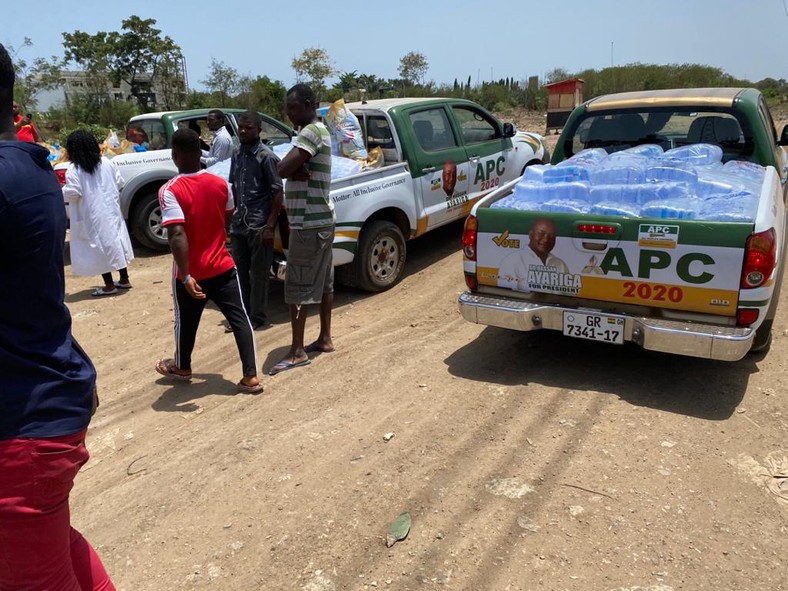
x: 754, y: 303
x: 348, y: 246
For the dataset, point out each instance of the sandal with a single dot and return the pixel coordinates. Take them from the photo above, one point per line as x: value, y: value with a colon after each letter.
x: 123, y: 285
x: 100, y: 291
x: 166, y: 367
x: 247, y: 389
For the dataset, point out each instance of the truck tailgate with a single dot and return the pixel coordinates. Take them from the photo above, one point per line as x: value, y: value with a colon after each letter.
x: 676, y: 264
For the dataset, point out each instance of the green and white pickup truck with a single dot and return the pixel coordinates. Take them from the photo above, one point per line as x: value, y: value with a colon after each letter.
x: 440, y: 156
x: 696, y: 271
x: 145, y: 172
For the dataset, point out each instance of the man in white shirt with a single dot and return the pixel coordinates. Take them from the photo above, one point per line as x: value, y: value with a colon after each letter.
x: 222, y: 144
x: 513, y: 272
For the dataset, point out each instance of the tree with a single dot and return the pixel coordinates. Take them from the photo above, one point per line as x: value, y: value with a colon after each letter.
x: 556, y: 75
x: 347, y: 81
x: 263, y: 94
x: 222, y: 80
x: 413, y: 67
x: 32, y: 79
x: 138, y: 55
x: 313, y: 66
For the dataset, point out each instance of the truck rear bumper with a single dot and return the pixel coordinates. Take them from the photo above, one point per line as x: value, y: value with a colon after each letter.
x: 724, y: 343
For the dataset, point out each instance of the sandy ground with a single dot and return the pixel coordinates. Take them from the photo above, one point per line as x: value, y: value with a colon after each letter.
x: 526, y: 460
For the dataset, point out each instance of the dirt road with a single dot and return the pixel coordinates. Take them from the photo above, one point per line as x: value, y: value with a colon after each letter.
x: 527, y: 461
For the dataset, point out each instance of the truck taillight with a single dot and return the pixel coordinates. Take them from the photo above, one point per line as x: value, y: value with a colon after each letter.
x: 469, y: 238
x: 746, y: 316
x: 759, y: 259
x: 61, y: 176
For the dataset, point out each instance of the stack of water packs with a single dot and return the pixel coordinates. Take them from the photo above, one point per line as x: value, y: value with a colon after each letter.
x: 689, y: 182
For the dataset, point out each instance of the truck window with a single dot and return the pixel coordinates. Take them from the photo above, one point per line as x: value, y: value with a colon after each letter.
x: 667, y: 128
x: 379, y: 133
x: 768, y: 122
x: 475, y: 126
x: 272, y: 135
x: 432, y: 130
x: 154, y: 129
x: 197, y: 125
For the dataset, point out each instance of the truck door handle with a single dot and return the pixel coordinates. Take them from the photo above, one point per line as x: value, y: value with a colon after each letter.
x: 474, y: 158
x: 428, y: 169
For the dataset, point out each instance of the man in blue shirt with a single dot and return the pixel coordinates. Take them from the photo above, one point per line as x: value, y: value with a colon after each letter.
x: 47, y: 382
x: 257, y: 187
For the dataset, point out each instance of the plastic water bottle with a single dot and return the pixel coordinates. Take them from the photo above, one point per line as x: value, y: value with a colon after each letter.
x: 674, y: 209
x: 565, y: 173
x: 648, y: 150
x: 662, y: 173
x: 616, y: 175
x: 697, y: 154
x: 564, y: 205
x: 535, y: 173
x: 741, y: 206
x: 745, y: 169
x: 589, y: 155
x: 55, y: 154
x: 617, y: 208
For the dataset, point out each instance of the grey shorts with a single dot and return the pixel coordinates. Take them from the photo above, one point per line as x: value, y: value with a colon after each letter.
x: 310, y: 269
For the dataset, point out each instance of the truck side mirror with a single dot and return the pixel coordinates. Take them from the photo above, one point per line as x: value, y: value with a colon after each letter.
x: 783, y: 137
x: 509, y: 130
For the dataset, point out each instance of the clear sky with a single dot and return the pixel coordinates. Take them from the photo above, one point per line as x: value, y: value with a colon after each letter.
x: 483, y: 39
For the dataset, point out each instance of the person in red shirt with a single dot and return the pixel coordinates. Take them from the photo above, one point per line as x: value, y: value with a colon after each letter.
x: 196, y: 206
x: 25, y: 130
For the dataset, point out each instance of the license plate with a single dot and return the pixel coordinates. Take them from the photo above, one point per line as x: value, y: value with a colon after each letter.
x: 594, y: 327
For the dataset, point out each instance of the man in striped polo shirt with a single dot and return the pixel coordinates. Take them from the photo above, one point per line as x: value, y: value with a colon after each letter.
x: 310, y: 270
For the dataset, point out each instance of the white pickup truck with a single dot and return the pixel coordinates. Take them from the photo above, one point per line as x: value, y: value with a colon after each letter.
x: 440, y: 157
x: 661, y: 222
x: 145, y: 172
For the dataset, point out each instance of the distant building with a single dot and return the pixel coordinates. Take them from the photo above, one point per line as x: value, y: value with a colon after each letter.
x: 74, y: 83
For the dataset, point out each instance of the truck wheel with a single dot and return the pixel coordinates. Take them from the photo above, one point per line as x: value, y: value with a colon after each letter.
x: 763, y: 338
x: 381, y: 256
x: 346, y: 274
x: 146, y: 223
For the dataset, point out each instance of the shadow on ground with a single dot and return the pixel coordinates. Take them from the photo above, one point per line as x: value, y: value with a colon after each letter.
x: 684, y: 385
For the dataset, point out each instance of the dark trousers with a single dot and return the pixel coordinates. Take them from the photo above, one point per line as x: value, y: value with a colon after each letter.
x: 253, y: 261
x: 225, y: 291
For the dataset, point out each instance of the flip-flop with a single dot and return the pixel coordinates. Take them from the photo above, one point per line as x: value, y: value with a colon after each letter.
x: 285, y: 365
x: 100, y: 292
x: 166, y: 368
x: 246, y: 389
x: 121, y: 285
x: 315, y: 348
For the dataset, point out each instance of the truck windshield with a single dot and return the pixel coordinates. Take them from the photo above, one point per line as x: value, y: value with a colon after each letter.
x: 666, y: 128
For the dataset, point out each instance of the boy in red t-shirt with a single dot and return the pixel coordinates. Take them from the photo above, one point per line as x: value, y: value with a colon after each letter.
x: 195, y: 208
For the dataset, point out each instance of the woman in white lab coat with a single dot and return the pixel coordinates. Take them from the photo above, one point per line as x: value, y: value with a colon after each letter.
x: 100, y: 241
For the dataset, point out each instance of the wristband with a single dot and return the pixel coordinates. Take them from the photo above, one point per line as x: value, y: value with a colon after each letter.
x: 186, y: 279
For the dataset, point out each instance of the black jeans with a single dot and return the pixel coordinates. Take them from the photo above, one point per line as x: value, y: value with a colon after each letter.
x: 253, y: 261
x: 225, y: 291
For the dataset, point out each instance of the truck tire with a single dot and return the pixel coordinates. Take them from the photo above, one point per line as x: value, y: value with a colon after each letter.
x: 146, y: 223
x: 380, y: 259
x: 763, y: 338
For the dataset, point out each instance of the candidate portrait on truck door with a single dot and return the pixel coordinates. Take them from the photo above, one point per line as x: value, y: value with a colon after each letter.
x: 449, y: 177
x: 514, y: 269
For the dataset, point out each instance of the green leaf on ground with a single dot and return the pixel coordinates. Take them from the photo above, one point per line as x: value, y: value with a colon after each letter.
x: 399, y: 529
